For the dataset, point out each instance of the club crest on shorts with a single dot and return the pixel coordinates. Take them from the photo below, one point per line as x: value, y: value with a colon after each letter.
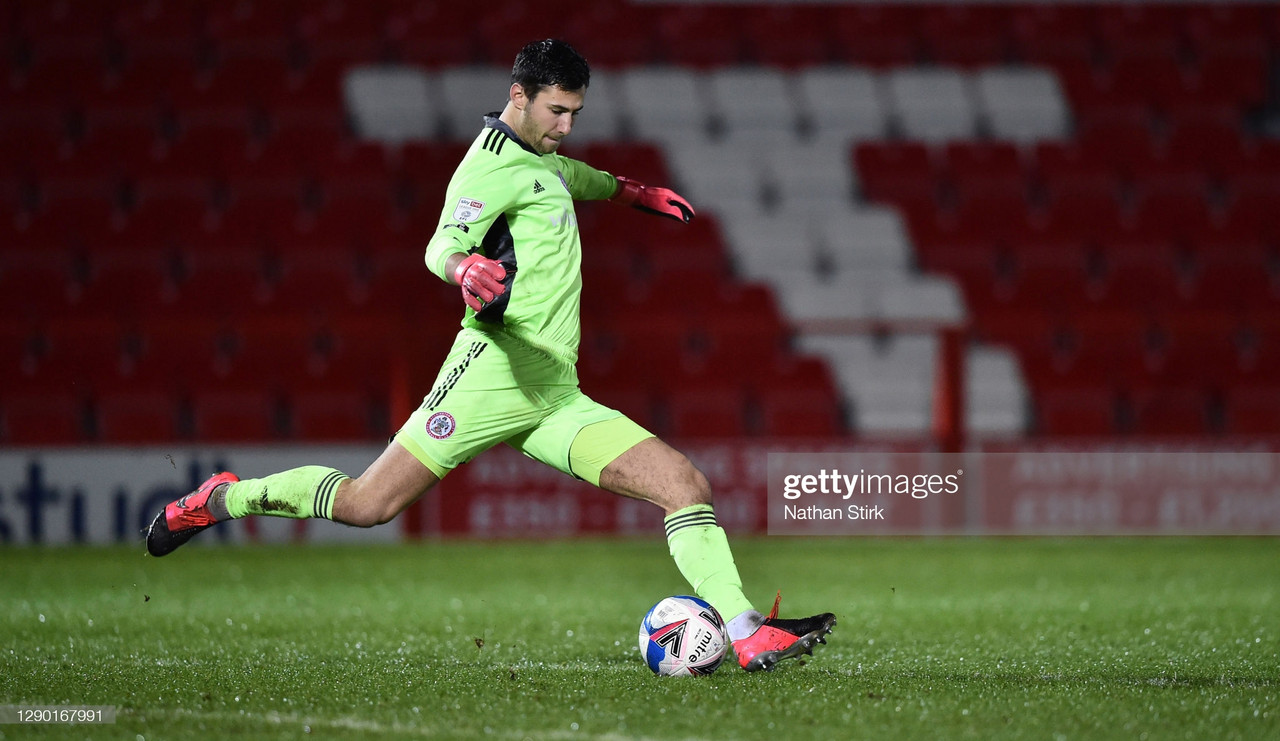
x: 441, y: 425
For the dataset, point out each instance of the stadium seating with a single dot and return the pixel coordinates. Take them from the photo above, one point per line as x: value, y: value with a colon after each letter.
x: 1088, y: 190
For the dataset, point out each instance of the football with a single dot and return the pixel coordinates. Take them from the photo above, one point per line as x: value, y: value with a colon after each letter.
x: 683, y: 636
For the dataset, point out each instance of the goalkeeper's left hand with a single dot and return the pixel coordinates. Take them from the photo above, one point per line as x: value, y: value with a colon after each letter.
x: 660, y: 201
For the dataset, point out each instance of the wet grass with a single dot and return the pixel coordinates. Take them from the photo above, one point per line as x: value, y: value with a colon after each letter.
x: 953, y: 638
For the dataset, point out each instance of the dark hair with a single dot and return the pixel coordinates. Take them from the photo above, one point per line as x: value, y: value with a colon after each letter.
x: 550, y: 62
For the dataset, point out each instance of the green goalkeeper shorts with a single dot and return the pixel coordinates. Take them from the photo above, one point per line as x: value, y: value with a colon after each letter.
x: 494, y: 388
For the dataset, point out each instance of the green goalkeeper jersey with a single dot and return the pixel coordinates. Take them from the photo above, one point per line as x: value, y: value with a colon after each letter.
x: 515, y: 206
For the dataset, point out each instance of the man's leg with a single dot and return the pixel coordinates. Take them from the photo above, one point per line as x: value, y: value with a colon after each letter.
x: 389, y: 485
x: 655, y: 472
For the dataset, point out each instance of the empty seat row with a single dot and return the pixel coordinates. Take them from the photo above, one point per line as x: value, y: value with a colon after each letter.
x: 620, y: 35
x: 1109, y: 160
x: 1172, y: 412
x: 890, y: 382
x: 1146, y: 280
x: 673, y: 104
x: 252, y: 414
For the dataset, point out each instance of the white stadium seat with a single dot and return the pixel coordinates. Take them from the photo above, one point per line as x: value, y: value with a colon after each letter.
x: 1024, y: 104
x: 390, y: 103
x: 843, y: 102
x: 718, y: 177
x: 887, y: 382
x: 931, y: 104
x: 665, y: 104
x: 752, y: 99
x: 813, y: 176
x: 995, y: 393
x: 764, y: 248
x: 601, y: 111
x: 871, y: 238
x: 468, y: 93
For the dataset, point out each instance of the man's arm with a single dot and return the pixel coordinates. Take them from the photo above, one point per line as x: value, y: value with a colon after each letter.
x: 586, y: 183
x: 476, y: 197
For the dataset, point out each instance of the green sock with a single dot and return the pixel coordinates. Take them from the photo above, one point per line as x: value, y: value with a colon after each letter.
x: 298, y: 493
x: 701, y: 552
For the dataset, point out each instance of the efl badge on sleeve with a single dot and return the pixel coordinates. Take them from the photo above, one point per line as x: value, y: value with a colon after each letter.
x: 468, y: 210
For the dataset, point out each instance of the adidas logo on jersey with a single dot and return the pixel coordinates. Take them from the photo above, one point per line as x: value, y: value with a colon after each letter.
x: 537, y: 187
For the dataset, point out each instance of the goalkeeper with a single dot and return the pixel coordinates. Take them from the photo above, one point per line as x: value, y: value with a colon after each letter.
x: 508, y: 238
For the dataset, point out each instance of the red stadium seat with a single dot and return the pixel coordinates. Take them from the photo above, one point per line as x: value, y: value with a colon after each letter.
x: 1181, y: 412
x: 1211, y: 143
x: 612, y: 35
x: 249, y: 30
x: 359, y: 355
x: 1140, y: 30
x: 332, y: 416
x: 36, y: 285
x: 786, y: 36
x: 1084, y: 215
x: 700, y: 36
x: 1069, y: 166
x: 890, y: 170
x: 1217, y: 27
x: 1200, y: 354
x: 316, y: 283
x: 128, y: 284
x: 235, y: 415
x: 155, y: 27
x: 876, y: 35
x: 800, y: 413
x: 985, y: 167
x: 1228, y: 283
x: 1230, y: 78
x: 967, y: 35
x: 1253, y: 411
x: 998, y: 217
x: 176, y: 355
x: 1144, y: 277
x: 229, y: 283
x: 343, y: 30
x: 271, y: 352
x: 1124, y: 141
x: 1109, y: 351
x: 706, y: 412
x: 42, y: 418
x: 137, y: 417
x: 1173, y: 214
x: 413, y: 30
x: 1052, y: 32
x: 1077, y: 413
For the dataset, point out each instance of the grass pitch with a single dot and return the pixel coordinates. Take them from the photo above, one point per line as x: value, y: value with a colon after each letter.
x: 953, y: 638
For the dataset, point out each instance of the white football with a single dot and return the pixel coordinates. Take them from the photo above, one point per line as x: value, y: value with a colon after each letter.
x: 683, y: 636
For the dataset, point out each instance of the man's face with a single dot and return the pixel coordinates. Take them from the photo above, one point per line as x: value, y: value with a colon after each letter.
x: 546, y: 118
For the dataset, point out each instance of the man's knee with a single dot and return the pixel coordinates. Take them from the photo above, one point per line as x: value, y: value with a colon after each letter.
x: 697, y: 487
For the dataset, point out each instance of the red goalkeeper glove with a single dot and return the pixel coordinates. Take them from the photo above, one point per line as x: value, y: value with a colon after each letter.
x: 660, y: 201
x: 480, y: 279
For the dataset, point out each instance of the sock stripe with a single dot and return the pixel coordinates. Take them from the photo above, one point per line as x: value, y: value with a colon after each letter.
x: 677, y: 523
x: 321, y: 506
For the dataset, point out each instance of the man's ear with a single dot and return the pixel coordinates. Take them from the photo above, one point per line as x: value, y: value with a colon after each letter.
x: 518, y: 98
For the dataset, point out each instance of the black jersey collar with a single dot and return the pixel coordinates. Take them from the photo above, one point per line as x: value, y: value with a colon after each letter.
x: 492, y: 121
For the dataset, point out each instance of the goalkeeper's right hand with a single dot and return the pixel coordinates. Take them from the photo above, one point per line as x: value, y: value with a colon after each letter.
x: 480, y: 279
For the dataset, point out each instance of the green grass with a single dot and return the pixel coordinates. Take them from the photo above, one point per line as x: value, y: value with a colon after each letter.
x: 952, y: 638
